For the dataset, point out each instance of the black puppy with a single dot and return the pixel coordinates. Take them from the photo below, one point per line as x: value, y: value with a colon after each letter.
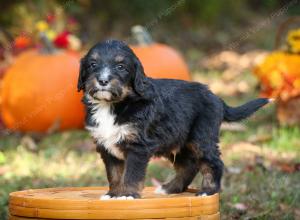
x: 133, y: 117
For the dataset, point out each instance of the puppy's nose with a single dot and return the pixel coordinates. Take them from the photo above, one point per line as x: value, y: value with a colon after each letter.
x: 103, y: 82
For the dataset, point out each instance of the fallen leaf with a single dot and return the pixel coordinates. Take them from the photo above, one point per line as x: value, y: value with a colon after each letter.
x: 234, y: 126
x: 29, y: 143
x: 234, y: 170
x: 297, y: 214
x: 240, y: 206
x: 284, y: 207
x: 155, y: 182
x: 286, y: 166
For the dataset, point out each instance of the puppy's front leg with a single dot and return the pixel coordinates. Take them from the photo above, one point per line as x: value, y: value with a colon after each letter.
x: 134, y: 174
x: 114, y: 171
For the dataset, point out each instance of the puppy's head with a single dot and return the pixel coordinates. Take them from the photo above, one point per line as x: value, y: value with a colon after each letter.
x: 110, y: 72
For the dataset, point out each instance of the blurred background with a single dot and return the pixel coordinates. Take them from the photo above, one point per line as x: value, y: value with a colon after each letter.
x: 240, y: 49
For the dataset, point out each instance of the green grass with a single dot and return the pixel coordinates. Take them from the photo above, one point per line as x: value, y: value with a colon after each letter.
x: 266, y: 194
x: 285, y: 139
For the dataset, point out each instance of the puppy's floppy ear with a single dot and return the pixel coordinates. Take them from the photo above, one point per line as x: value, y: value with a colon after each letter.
x: 142, y: 85
x: 82, y: 75
x: 140, y: 80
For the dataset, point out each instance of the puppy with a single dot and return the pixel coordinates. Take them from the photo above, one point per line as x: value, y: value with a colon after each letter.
x: 133, y: 117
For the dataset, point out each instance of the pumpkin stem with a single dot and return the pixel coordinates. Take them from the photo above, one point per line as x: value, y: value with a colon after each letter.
x: 141, y: 35
x: 48, y: 47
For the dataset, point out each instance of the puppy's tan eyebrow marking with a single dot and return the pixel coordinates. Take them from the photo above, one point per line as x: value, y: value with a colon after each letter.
x: 119, y: 58
x: 95, y: 56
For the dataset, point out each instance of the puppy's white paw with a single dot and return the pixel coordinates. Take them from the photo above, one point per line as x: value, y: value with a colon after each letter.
x: 124, y: 198
x: 203, y: 195
x: 160, y: 190
x: 105, y: 197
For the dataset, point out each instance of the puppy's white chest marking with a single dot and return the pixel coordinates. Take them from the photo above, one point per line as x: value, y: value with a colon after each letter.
x: 106, y: 132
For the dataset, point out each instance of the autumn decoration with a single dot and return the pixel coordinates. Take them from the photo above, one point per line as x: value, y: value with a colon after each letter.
x: 279, y: 74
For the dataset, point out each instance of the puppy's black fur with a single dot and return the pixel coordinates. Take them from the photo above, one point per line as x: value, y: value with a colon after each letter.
x: 175, y: 119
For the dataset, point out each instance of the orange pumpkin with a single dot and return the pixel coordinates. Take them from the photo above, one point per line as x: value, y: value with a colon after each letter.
x: 39, y: 91
x: 159, y: 60
x: 162, y: 61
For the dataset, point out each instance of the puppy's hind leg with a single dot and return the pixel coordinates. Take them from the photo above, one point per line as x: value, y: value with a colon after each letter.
x: 205, y: 138
x: 211, y: 168
x: 186, y: 169
x: 212, y: 173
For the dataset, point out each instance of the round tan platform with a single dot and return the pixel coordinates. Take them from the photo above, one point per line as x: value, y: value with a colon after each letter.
x: 84, y: 203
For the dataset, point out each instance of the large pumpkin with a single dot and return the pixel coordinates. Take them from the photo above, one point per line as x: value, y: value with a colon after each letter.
x: 39, y: 92
x: 159, y: 60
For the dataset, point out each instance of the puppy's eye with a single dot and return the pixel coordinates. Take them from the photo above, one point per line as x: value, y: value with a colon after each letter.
x: 93, y: 65
x: 120, y: 67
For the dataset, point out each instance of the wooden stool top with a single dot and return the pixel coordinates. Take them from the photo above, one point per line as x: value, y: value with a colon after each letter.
x: 84, y: 203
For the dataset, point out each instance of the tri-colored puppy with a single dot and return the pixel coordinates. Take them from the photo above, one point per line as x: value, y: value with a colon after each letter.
x: 133, y: 117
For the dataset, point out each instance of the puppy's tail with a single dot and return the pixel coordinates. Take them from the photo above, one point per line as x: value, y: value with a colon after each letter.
x: 243, y: 111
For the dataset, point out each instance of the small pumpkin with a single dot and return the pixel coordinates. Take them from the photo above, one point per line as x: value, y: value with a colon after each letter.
x: 159, y: 60
x: 39, y: 90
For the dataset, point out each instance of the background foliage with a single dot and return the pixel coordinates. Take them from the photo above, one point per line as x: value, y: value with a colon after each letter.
x: 207, y: 24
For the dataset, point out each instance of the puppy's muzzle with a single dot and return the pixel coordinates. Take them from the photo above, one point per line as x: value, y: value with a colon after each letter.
x: 93, y: 91
x: 104, y: 92
x: 103, y: 81
x: 104, y: 77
